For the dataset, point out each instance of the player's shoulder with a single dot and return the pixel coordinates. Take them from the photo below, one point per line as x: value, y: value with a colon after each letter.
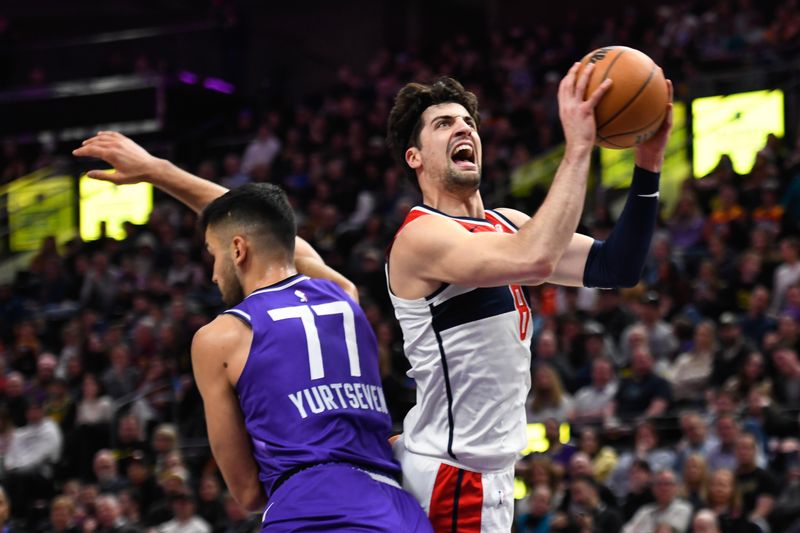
x: 515, y: 217
x: 222, y: 335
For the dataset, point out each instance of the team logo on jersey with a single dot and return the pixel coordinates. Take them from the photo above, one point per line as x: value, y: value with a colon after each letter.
x: 300, y: 294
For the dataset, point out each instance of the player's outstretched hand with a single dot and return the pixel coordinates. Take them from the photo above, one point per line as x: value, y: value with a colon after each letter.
x: 131, y: 162
x: 650, y: 153
x: 577, y: 112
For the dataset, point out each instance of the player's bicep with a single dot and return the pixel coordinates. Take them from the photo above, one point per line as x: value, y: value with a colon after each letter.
x: 569, y: 270
x: 441, y: 250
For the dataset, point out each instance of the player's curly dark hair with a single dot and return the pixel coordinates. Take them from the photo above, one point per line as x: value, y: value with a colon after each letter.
x: 405, y: 119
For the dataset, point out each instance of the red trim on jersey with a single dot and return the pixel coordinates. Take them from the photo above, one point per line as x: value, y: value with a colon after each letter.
x: 443, y: 500
x: 524, y: 310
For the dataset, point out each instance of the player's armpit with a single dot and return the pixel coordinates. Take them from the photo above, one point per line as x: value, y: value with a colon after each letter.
x: 227, y: 433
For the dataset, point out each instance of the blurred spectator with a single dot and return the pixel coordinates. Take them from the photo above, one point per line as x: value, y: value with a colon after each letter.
x: 109, y: 516
x: 732, y: 351
x: 787, y: 273
x: 14, y: 400
x: 751, y: 374
x: 660, y: 335
x: 209, y: 501
x: 592, y: 403
x: 603, y: 458
x: 694, y: 481
x: 106, y: 474
x: 667, y: 508
x: 757, y: 486
x: 62, y: 516
x: 787, y: 388
x: 640, y: 479
x: 261, y: 151
x: 546, y: 353
x: 692, y: 369
x: 646, y: 447
x: 540, y: 514
x: 547, y: 398
x: 644, y: 394
x: 32, y: 454
x: 140, y: 476
x: 723, y: 454
x: 705, y: 522
x: 755, y: 321
x: 121, y: 379
x: 694, y: 438
x: 185, y: 521
x: 6, y: 524
x: 100, y: 284
x: 587, y: 511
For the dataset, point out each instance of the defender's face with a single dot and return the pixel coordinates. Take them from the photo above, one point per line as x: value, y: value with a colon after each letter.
x: 450, y: 147
x: 224, y: 273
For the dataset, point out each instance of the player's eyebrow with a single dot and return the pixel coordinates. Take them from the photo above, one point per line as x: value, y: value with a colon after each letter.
x: 467, y: 118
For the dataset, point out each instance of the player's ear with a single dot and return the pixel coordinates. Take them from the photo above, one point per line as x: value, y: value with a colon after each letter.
x: 413, y: 157
x: 239, y: 250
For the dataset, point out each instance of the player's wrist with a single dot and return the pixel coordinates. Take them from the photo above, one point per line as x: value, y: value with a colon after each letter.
x: 157, y: 171
x: 651, y: 161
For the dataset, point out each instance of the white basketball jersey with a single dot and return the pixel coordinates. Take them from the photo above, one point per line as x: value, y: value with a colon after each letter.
x: 469, y: 350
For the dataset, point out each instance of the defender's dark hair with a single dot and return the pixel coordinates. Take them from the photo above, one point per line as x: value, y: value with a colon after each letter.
x: 262, y: 208
x: 405, y: 118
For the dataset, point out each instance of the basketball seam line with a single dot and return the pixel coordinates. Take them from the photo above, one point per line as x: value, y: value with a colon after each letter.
x: 659, y: 117
x: 633, y: 99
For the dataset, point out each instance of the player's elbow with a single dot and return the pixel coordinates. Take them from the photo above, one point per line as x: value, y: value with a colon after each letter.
x: 539, y: 270
x: 252, y: 499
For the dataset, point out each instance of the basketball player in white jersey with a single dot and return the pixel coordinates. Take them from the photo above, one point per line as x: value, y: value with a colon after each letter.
x: 455, y: 272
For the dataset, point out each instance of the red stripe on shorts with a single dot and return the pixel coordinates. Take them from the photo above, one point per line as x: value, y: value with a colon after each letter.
x: 456, y: 501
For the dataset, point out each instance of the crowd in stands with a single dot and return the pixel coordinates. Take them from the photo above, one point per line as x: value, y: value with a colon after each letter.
x: 682, y: 394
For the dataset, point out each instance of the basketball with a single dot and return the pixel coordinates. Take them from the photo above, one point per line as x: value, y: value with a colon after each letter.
x: 635, y: 105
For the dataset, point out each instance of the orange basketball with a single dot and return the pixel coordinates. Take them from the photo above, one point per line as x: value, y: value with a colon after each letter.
x: 635, y: 105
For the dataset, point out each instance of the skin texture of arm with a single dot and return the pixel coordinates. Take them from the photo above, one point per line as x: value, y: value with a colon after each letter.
x: 224, y: 339
x: 134, y: 164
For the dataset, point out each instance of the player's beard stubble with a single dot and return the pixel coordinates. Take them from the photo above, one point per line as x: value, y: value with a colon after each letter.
x: 456, y: 180
x: 229, y: 285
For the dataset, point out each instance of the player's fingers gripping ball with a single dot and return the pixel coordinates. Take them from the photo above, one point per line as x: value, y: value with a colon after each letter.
x: 635, y: 106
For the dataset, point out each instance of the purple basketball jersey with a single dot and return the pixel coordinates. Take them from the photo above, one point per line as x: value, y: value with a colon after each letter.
x: 311, y: 390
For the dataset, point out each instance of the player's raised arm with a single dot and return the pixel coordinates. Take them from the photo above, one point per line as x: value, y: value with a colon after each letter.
x: 454, y: 255
x: 134, y: 164
x: 618, y: 261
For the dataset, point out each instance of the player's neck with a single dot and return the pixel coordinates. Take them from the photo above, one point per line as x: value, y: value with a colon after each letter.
x: 266, y: 275
x: 455, y: 204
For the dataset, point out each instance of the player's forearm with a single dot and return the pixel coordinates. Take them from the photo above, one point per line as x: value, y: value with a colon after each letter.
x: 548, y: 233
x: 191, y: 190
x: 618, y: 261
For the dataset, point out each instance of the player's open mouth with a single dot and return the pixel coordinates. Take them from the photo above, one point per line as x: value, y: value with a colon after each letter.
x: 463, y: 155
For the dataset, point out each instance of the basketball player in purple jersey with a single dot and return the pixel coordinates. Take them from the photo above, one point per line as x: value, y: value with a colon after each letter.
x: 289, y: 377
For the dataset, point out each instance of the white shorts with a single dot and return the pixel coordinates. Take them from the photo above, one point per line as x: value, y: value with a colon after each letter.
x: 456, y: 499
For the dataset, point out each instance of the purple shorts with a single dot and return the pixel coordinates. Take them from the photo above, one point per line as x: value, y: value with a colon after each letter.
x: 341, y: 497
